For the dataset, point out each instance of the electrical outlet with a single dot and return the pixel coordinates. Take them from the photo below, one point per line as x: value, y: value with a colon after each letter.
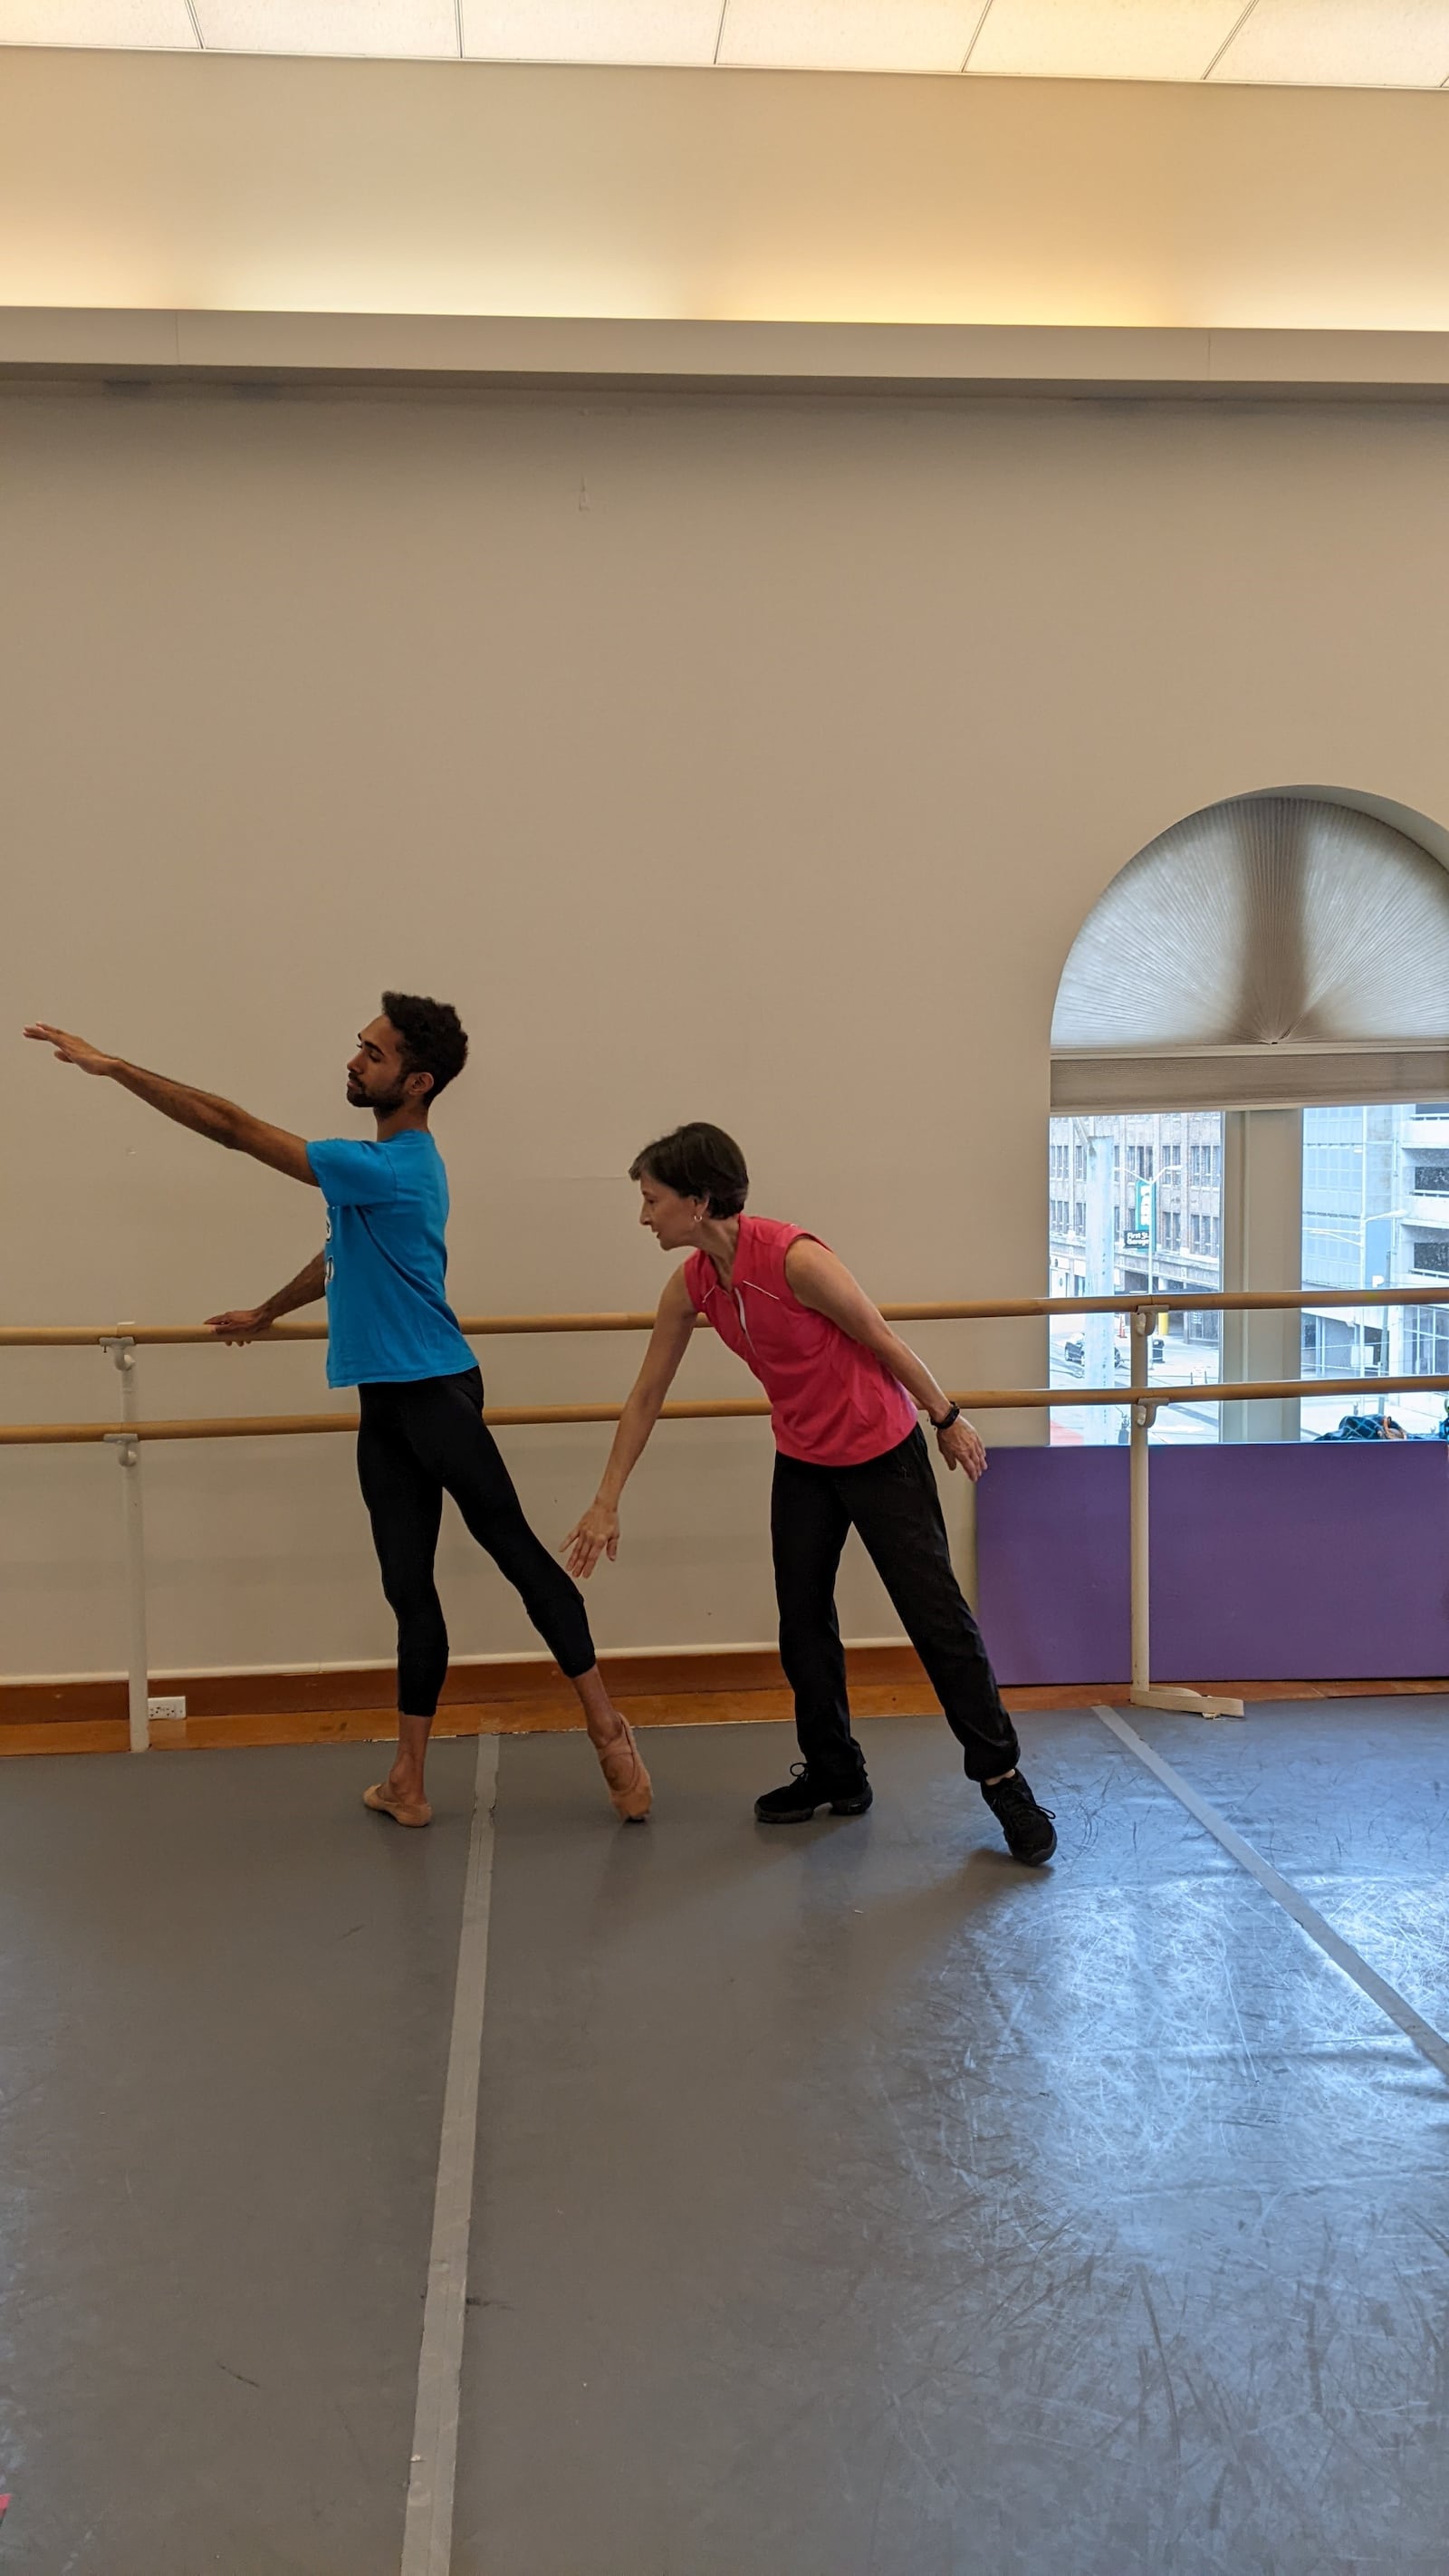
x: 160, y: 1709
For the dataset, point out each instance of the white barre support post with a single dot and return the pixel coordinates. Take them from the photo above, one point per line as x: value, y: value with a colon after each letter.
x: 1144, y: 1412
x: 127, y: 1450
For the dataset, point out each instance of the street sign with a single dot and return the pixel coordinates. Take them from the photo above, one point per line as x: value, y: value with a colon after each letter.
x: 1138, y: 1234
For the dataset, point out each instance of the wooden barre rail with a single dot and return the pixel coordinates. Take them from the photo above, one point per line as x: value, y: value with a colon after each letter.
x: 977, y: 1311
x: 256, y: 1426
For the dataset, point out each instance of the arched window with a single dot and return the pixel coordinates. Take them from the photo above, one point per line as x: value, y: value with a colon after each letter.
x: 1275, y: 948
x: 1249, y: 1051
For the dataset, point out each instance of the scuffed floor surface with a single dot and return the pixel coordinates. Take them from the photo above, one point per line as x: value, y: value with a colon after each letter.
x: 853, y: 2203
x: 849, y: 2201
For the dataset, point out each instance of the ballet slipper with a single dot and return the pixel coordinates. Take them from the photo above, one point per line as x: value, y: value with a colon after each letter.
x: 403, y: 1811
x: 626, y: 1778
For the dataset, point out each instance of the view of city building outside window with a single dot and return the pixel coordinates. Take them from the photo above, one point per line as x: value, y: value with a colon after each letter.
x: 1136, y: 1202
x: 1376, y: 1215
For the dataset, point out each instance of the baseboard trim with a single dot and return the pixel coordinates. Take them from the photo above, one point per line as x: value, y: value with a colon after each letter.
x: 524, y: 1695
x: 524, y: 1680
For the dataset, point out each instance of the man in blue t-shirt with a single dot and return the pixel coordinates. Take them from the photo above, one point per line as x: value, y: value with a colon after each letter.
x: 393, y: 1335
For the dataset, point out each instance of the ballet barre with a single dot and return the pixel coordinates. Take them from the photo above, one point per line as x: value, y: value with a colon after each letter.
x: 511, y: 1417
x: 127, y: 1437
x: 985, y: 1310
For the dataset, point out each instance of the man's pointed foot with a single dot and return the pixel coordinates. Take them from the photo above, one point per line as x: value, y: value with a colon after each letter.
x: 629, y: 1786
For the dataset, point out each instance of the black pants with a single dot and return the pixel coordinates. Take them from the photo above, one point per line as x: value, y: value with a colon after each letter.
x: 894, y: 1504
x: 417, y: 1443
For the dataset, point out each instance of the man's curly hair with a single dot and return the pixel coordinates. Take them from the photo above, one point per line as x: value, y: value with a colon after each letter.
x: 432, y: 1036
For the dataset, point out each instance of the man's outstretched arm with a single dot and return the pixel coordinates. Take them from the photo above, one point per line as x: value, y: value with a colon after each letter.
x: 245, y: 1323
x: 202, y: 1111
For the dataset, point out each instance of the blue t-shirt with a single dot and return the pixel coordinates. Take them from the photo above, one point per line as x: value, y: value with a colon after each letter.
x: 388, y: 1318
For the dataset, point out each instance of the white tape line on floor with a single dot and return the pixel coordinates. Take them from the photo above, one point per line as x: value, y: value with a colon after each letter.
x: 1425, y: 2037
x: 428, y: 2525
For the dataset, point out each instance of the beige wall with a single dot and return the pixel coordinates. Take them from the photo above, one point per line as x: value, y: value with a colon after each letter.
x: 163, y: 181
x: 753, y: 760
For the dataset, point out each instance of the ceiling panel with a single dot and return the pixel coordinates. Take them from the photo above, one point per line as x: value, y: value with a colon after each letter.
x: 1372, y: 44
x: 1292, y: 43
x: 591, y: 31
x: 1163, y: 40
x: 849, y: 35
x: 156, y: 24
x: 370, y: 27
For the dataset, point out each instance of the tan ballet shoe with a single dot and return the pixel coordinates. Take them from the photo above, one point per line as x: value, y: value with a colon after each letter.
x: 403, y: 1811
x: 628, y: 1781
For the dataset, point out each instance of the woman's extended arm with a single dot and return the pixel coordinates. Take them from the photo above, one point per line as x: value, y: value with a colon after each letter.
x: 823, y: 1283
x: 598, y: 1531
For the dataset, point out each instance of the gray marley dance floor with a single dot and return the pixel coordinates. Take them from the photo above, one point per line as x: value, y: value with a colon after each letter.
x: 849, y: 2202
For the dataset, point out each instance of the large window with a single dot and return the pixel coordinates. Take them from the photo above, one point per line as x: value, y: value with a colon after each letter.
x: 1375, y: 1215
x: 1144, y: 1211
x: 1136, y: 1203
x: 1272, y: 950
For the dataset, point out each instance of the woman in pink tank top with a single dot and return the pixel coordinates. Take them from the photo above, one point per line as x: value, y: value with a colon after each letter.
x: 845, y: 1392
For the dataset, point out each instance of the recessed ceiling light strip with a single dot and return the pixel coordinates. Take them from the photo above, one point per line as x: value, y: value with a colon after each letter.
x: 1230, y: 38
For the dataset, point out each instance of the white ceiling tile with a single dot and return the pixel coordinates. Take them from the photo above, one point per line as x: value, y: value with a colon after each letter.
x: 159, y: 25
x: 849, y: 35
x: 1371, y: 44
x: 1161, y: 40
x: 367, y: 27
x: 591, y: 31
x: 1293, y: 43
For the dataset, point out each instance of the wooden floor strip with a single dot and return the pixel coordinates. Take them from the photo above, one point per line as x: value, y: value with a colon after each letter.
x: 539, y: 1716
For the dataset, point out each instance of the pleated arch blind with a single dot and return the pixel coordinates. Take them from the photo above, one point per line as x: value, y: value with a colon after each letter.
x: 1275, y: 948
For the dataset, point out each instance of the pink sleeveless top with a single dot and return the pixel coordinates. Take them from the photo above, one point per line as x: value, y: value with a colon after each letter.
x: 832, y: 1403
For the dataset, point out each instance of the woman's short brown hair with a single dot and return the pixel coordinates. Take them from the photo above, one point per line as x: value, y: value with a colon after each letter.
x: 700, y: 1162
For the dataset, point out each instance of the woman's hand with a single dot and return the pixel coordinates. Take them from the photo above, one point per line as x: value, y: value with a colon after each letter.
x: 596, y: 1535
x: 960, y: 1446
x: 240, y: 1324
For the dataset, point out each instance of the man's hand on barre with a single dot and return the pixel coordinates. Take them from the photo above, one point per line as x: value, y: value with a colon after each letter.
x: 240, y: 1324
x: 248, y: 1323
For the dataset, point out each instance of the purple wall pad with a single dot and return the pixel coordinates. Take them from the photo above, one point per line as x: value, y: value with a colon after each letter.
x: 1301, y: 1563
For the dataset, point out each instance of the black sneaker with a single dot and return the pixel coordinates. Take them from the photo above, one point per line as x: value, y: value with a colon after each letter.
x: 1029, y: 1830
x: 805, y: 1790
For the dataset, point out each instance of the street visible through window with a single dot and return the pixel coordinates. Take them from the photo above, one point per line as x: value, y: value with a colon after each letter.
x: 1375, y: 1215
x: 1136, y: 1202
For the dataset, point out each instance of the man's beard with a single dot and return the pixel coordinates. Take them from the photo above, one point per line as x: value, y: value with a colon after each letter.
x: 382, y: 1102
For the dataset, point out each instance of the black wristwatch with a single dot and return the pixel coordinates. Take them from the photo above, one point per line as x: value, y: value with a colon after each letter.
x: 947, y: 1419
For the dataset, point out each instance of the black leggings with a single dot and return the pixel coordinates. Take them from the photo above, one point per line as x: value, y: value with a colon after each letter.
x: 416, y: 1443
